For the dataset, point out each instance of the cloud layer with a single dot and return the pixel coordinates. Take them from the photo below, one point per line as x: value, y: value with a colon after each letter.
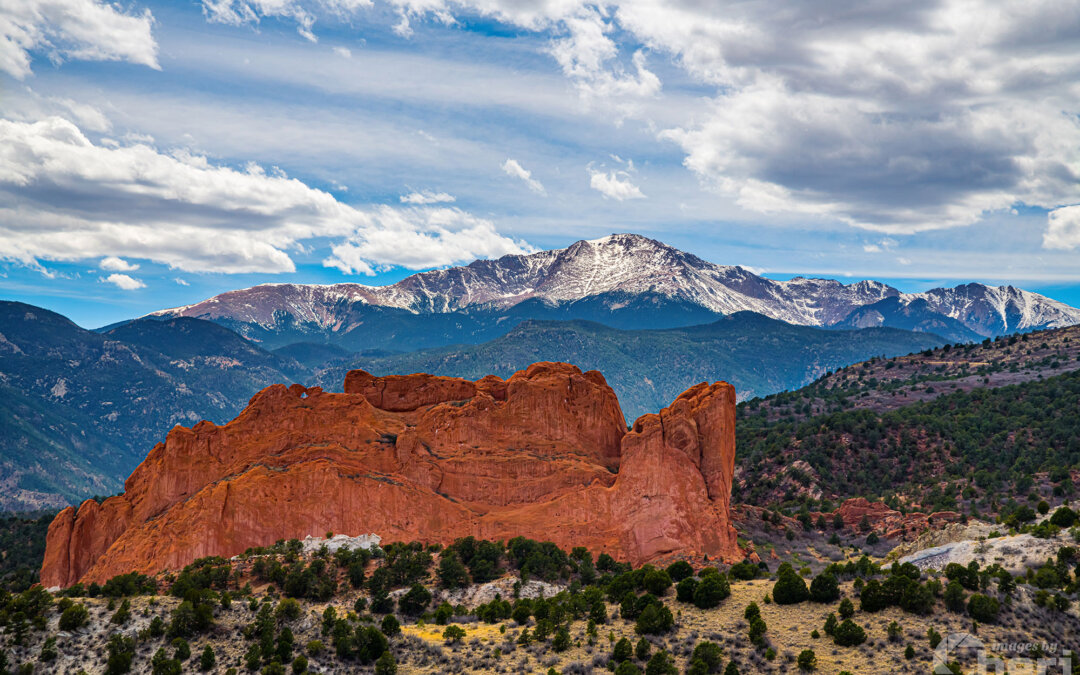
x: 897, y: 117
x: 88, y: 30
x: 65, y: 198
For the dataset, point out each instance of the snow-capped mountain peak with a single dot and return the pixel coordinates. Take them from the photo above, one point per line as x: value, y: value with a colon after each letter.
x: 626, y: 265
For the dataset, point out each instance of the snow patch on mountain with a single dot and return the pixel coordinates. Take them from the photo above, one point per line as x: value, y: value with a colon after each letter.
x: 629, y: 264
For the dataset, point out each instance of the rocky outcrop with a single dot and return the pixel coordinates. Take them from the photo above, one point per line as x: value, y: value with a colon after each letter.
x: 544, y: 454
x: 890, y: 523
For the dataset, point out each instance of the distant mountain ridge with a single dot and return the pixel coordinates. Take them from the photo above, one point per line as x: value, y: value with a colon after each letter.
x: 79, y: 409
x: 622, y: 280
x: 647, y: 368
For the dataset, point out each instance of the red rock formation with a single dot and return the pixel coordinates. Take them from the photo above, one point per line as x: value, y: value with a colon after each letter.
x: 888, y: 522
x: 544, y: 455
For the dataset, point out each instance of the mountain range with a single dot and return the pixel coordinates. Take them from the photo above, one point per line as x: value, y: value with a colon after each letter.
x: 80, y: 408
x: 648, y: 368
x: 624, y: 281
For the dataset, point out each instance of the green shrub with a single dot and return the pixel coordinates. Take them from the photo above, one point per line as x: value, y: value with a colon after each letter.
x: 414, y: 601
x: 120, y: 650
x: 300, y: 664
x: 1064, y: 517
x: 161, y: 664
x: 122, y: 614
x: 661, y: 664
x: 847, y: 609
x: 562, y: 639
x: 684, y: 590
x: 208, y: 659
x: 757, y: 630
x: 807, y: 660
x: 654, y: 620
x: 710, y: 591
x: 824, y: 588
x: 744, y: 570
x: 790, y: 588
x: 710, y: 654
x: 955, y: 598
x: 642, y: 649
x: 454, y: 634
x: 183, y: 649
x: 849, y: 634
x: 390, y: 626
x: 830, y: 624
x: 627, y: 668
x: 983, y: 608
x: 680, y: 570
x: 74, y: 617
x: 386, y: 664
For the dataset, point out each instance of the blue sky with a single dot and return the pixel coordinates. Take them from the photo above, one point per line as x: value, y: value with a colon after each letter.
x: 179, y: 150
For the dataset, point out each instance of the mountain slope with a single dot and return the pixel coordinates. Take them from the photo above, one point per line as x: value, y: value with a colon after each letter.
x: 80, y: 409
x: 915, y: 315
x: 649, y: 367
x: 923, y: 426
x: 887, y: 384
x: 985, y: 443
x: 622, y: 280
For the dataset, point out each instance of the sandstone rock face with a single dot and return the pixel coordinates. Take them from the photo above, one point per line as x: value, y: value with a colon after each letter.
x: 888, y: 522
x: 544, y: 454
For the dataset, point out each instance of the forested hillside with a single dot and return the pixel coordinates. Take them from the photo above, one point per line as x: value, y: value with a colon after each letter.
x: 973, y: 449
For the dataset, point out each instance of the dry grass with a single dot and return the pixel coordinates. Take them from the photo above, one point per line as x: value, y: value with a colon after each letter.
x: 492, y: 648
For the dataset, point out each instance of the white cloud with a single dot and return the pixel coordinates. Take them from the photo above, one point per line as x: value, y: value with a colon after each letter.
x: 113, y: 264
x: 64, y: 198
x: 88, y: 30
x: 895, y: 117
x: 512, y: 168
x: 588, y: 56
x: 427, y: 197
x: 238, y: 12
x: 181, y: 281
x: 124, y: 282
x: 1063, y: 228
x: 614, y: 185
x: 343, y: 52
x: 885, y: 244
x: 419, y: 238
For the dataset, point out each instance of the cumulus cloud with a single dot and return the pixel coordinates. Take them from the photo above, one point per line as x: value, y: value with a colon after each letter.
x: 427, y: 197
x: 614, y: 184
x: 898, y: 118
x: 1063, y: 228
x: 62, y: 197
x: 419, y: 238
x: 88, y: 30
x: 589, y: 57
x: 113, y: 264
x: 512, y: 168
x: 895, y: 117
x: 123, y: 282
